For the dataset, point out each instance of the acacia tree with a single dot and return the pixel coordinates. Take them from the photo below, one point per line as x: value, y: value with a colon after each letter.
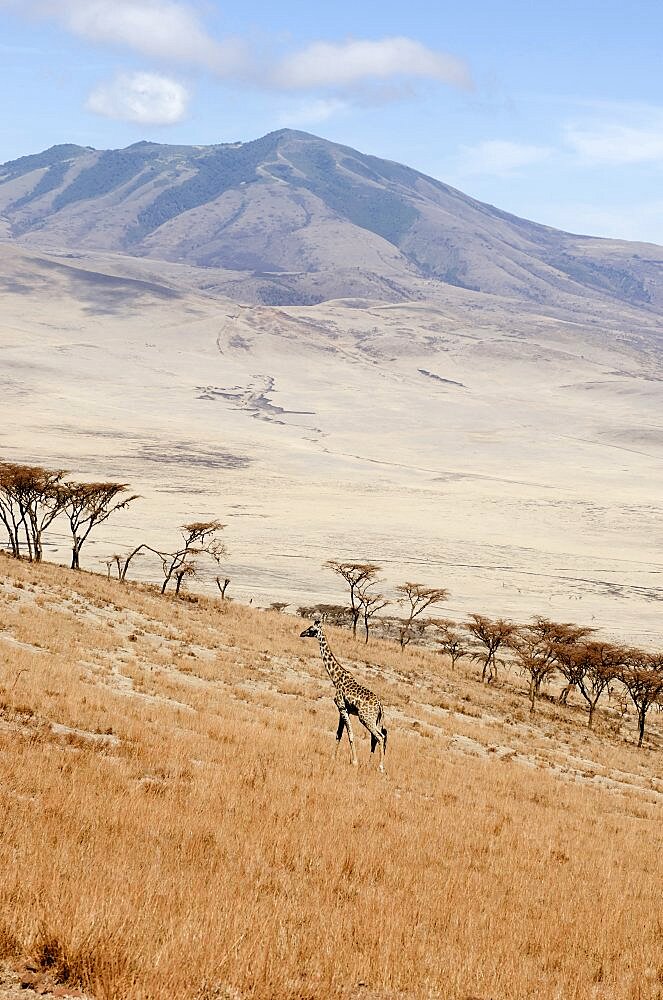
x: 122, y: 561
x: 114, y: 560
x: 186, y: 569
x: 590, y: 666
x: 416, y: 598
x: 537, y: 648
x: 31, y: 500
x: 572, y: 669
x: 44, y: 502
x: 642, y: 675
x: 450, y: 640
x: 492, y: 635
x: 356, y: 575
x: 335, y: 614
x: 88, y: 505
x: 200, y: 538
x: 370, y: 604
x: 11, y: 514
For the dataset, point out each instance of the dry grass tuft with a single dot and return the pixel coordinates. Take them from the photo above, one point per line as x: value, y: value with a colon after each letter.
x: 174, y: 824
x: 9, y: 943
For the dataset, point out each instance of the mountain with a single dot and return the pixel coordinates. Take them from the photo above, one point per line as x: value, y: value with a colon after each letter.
x: 342, y: 359
x: 292, y: 219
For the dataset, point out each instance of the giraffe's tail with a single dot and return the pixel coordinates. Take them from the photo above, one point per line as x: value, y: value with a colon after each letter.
x: 374, y: 740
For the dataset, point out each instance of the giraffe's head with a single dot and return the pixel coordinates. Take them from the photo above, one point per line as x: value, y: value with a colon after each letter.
x: 313, y: 631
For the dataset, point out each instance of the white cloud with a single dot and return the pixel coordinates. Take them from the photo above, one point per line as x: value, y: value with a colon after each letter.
x: 172, y: 31
x: 313, y: 112
x: 500, y: 158
x: 615, y: 143
x: 326, y: 64
x: 162, y: 29
x: 146, y: 98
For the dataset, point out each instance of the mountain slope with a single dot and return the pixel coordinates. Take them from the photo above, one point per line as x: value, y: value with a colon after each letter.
x: 294, y: 219
x: 512, y: 456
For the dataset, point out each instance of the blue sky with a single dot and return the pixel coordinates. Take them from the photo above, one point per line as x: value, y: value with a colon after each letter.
x: 550, y: 110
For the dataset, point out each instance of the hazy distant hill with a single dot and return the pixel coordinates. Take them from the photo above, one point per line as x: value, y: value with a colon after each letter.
x: 291, y: 218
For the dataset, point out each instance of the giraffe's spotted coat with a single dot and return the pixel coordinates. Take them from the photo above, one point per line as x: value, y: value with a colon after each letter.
x: 351, y: 698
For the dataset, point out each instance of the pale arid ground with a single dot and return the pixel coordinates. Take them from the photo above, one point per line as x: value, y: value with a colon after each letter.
x: 508, y: 453
x: 175, y: 826
x: 18, y: 982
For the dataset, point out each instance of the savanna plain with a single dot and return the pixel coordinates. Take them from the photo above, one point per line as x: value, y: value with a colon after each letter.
x: 175, y: 825
x: 401, y: 376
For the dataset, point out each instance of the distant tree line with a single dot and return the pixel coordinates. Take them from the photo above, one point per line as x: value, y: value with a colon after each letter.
x: 541, y: 649
x: 33, y: 498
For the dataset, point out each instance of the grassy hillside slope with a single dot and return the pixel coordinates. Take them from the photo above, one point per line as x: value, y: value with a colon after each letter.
x: 175, y: 825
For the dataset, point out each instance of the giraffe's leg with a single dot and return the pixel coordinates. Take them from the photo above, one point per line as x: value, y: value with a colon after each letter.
x: 346, y: 721
x: 381, y: 741
x: 339, y: 732
x: 378, y: 739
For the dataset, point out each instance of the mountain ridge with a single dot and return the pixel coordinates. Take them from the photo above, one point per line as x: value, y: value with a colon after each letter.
x: 293, y: 219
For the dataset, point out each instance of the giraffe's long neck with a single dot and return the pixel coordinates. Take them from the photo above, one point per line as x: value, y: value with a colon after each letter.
x: 332, y: 666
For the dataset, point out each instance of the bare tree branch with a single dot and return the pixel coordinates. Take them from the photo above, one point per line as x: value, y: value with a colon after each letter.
x: 589, y: 666
x: 30, y: 500
x: 199, y: 539
x: 492, y: 635
x: 537, y: 647
x: 88, y: 505
x: 355, y: 574
x: 450, y: 639
x: 370, y: 604
x: 418, y: 597
x: 642, y: 675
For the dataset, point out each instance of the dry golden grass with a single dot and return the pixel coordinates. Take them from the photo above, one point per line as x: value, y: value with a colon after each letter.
x: 174, y: 825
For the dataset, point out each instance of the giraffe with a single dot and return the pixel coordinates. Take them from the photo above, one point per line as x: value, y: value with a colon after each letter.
x: 351, y: 698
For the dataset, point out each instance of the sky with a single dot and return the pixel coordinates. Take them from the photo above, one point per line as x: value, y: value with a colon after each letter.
x: 550, y: 110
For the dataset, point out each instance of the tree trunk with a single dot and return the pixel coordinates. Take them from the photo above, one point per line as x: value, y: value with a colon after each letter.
x: 28, y: 540
x: 12, y: 535
x: 75, y: 555
x: 122, y: 572
x: 642, y: 715
x: 354, y: 610
x: 532, y: 694
x: 13, y: 540
x: 563, y: 698
x: 167, y: 575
